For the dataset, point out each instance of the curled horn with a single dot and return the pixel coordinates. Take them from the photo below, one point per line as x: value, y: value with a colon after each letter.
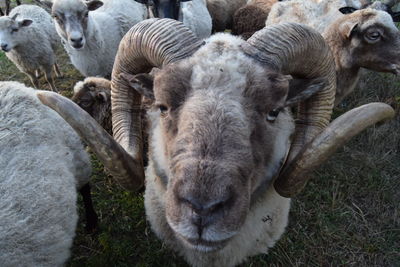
x: 294, y: 176
x: 300, y: 51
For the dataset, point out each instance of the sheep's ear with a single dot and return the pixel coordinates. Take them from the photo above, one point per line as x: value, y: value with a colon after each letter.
x: 102, y: 97
x: 302, y: 89
x: 396, y: 16
x: 25, y: 23
x: 347, y: 10
x: 15, y: 16
x: 93, y: 4
x: 142, y: 83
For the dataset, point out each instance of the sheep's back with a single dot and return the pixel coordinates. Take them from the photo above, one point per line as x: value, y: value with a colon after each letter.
x: 37, y: 186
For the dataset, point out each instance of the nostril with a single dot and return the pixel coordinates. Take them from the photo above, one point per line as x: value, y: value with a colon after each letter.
x: 204, y: 208
x: 76, y: 40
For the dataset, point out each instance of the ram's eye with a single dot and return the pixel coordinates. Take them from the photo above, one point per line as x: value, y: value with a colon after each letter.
x: 373, y: 36
x: 273, y: 114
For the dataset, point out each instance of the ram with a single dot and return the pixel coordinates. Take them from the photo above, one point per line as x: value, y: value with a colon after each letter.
x: 366, y: 38
x: 29, y: 39
x: 42, y: 164
x: 91, y: 31
x: 225, y: 149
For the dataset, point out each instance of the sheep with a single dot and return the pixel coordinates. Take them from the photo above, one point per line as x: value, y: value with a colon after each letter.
x: 91, y: 31
x: 225, y: 149
x: 193, y: 13
x: 222, y: 12
x: 29, y: 39
x: 366, y: 38
x: 251, y: 17
x: 42, y: 164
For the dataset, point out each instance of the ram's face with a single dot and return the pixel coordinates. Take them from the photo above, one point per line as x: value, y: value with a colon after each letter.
x: 71, y: 20
x: 219, y: 138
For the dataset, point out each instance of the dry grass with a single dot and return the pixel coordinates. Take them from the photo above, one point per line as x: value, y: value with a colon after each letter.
x: 347, y: 216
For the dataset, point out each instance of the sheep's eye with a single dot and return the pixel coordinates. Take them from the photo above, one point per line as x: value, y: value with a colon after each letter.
x: 273, y: 114
x: 373, y: 36
x: 85, y: 103
x: 163, y: 109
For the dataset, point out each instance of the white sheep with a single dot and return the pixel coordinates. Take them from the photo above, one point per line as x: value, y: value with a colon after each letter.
x: 42, y: 163
x: 91, y: 31
x: 29, y: 38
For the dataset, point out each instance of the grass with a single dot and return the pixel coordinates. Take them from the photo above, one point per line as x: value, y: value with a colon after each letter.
x: 348, y: 215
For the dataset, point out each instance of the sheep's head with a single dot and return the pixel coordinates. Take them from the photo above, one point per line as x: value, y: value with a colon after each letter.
x: 71, y: 19
x: 223, y: 132
x: 370, y: 40
x: 94, y: 96
x: 12, y: 31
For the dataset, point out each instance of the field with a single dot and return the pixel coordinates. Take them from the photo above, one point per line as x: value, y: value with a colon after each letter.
x: 348, y: 215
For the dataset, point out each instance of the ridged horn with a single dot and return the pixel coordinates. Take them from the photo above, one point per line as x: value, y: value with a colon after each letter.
x: 150, y: 43
x: 300, y: 51
x: 294, y: 177
x: 115, y: 159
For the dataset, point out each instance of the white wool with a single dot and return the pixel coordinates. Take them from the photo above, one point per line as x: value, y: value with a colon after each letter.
x: 42, y: 163
x: 106, y: 27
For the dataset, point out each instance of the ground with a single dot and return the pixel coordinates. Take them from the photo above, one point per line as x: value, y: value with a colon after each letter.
x: 348, y: 214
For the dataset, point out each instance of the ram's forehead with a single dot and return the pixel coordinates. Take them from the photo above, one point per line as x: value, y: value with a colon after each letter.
x: 221, y: 63
x: 373, y: 17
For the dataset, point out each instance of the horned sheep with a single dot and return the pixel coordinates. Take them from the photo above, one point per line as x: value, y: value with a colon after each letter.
x: 42, y: 163
x: 366, y: 38
x: 225, y: 149
x: 29, y: 39
x: 91, y: 31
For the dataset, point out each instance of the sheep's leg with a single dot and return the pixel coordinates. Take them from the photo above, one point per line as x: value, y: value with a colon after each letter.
x: 57, y: 70
x: 7, y: 7
x: 34, y: 79
x: 38, y: 74
x: 50, y: 80
x: 91, y: 216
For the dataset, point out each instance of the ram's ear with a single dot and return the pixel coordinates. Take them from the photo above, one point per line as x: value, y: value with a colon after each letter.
x: 302, y: 89
x: 142, y: 83
x: 347, y: 10
x: 93, y: 4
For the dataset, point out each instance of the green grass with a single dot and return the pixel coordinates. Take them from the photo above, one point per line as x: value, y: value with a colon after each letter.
x: 348, y: 215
